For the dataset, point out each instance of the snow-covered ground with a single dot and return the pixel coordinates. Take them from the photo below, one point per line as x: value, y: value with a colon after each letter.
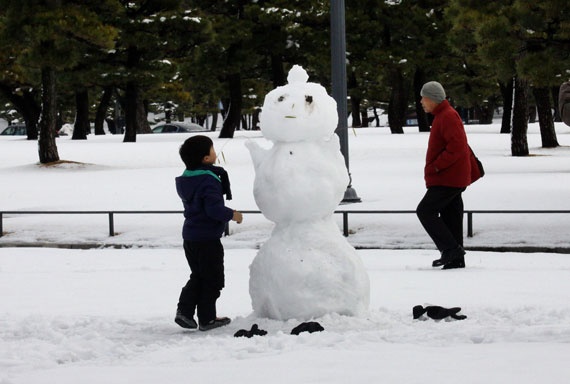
x: 387, y: 173
x: 106, y: 315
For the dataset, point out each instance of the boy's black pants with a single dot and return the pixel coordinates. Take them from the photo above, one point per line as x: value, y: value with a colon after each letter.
x: 441, y: 214
x: 206, y: 261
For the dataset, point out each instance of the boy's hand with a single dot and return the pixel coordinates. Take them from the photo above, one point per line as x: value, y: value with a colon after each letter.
x: 238, y: 217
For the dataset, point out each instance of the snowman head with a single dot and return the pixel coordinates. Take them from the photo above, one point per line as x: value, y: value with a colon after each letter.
x: 298, y: 111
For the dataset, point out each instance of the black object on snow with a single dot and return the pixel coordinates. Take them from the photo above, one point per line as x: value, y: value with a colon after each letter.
x: 438, y: 313
x: 254, y: 331
x: 311, y: 326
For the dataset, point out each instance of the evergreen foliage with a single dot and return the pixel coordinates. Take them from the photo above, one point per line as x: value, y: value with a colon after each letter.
x: 189, y: 57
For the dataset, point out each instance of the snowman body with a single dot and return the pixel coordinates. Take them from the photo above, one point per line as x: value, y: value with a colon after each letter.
x: 286, y: 180
x: 306, y: 269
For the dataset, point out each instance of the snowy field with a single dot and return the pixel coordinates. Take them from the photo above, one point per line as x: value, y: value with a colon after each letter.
x: 106, y: 315
x: 387, y: 173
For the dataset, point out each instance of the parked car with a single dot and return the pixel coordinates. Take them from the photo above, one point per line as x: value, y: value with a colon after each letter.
x: 15, y: 130
x: 178, y: 128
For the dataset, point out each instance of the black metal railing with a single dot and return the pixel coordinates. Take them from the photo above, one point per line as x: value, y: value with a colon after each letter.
x: 345, y: 213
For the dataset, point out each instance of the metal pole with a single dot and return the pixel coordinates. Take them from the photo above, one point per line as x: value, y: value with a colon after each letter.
x: 338, y: 71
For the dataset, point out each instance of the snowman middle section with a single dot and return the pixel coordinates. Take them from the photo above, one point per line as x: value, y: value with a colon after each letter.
x: 298, y: 181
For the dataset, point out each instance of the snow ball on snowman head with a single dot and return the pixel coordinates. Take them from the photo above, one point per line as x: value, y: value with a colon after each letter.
x: 298, y: 111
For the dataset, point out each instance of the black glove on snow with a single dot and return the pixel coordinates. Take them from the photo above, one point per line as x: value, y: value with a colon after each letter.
x: 254, y: 331
x: 311, y: 326
x: 437, y: 313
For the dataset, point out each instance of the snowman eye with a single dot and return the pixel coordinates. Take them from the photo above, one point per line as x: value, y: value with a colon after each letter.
x: 281, y: 98
x: 309, y: 99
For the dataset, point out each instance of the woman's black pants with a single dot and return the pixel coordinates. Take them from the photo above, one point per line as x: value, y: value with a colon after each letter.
x: 441, y: 214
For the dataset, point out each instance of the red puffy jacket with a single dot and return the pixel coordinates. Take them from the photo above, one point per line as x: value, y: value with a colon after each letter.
x: 447, y: 157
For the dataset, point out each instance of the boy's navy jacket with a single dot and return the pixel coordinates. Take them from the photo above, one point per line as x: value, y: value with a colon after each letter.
x: 204, y: 210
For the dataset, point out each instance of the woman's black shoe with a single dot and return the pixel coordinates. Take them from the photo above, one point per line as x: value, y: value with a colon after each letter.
x: 450, y: 256
x: 458, y: 263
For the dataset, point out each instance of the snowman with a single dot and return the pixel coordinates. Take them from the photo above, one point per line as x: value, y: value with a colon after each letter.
x: 306, y: 269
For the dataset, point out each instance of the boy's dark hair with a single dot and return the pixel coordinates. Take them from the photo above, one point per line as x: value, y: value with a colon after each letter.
x: 194, y: 149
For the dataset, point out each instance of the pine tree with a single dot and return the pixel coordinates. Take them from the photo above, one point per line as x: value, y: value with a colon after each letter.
x: 154, y: 34
x: 364, y: 20
x: 398, y: 46
x: 527, y: 41
x: 431, y: 56
x: 497, y: 33
x: 50, y: 34
x: 17, y: 85
x: 473, y: 82
x: 230, y: 53
x: 545, y: 34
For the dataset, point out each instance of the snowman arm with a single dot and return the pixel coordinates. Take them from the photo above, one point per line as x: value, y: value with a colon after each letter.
x: 256, y: 152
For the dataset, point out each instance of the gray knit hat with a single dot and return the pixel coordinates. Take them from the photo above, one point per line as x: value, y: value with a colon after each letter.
x: 433, y: 90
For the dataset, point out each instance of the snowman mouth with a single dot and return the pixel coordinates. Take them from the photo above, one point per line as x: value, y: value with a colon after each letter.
x: 290, y: 117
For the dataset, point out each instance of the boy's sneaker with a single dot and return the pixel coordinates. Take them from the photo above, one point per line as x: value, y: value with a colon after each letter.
x: 216, y: 323
x: 185, y: 322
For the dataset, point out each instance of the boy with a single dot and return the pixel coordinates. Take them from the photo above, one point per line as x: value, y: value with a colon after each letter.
x: 201, y: 188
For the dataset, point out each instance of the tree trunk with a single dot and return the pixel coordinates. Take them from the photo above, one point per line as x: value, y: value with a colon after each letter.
x: 81, y: 126
x: 277, y: 71
x: 111, y: 125
x: 119, y: 113
x: 519, y: 144
x: 507, y: 93
x: 214, y: 121
x: 225, y: 107
x: 255, y: 122
x: 398, y: 104
x: 543, y: 106
x: 27, y: 106
x: 131, y: 96
x: 487, y: 112
x: 419, y: 81
x: 364, y: 118
x: 532, y: 113
x: 376, y: 117
x: 355, y: 106
x: 233, y: 116
x: 355, y: 99
x: 47, y: 147
x: 31, y: 112
x: 102, y: 110
x: 135, y: 112
x: 554, y: 93
x: 168, y: 113
x: 142, y: 116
